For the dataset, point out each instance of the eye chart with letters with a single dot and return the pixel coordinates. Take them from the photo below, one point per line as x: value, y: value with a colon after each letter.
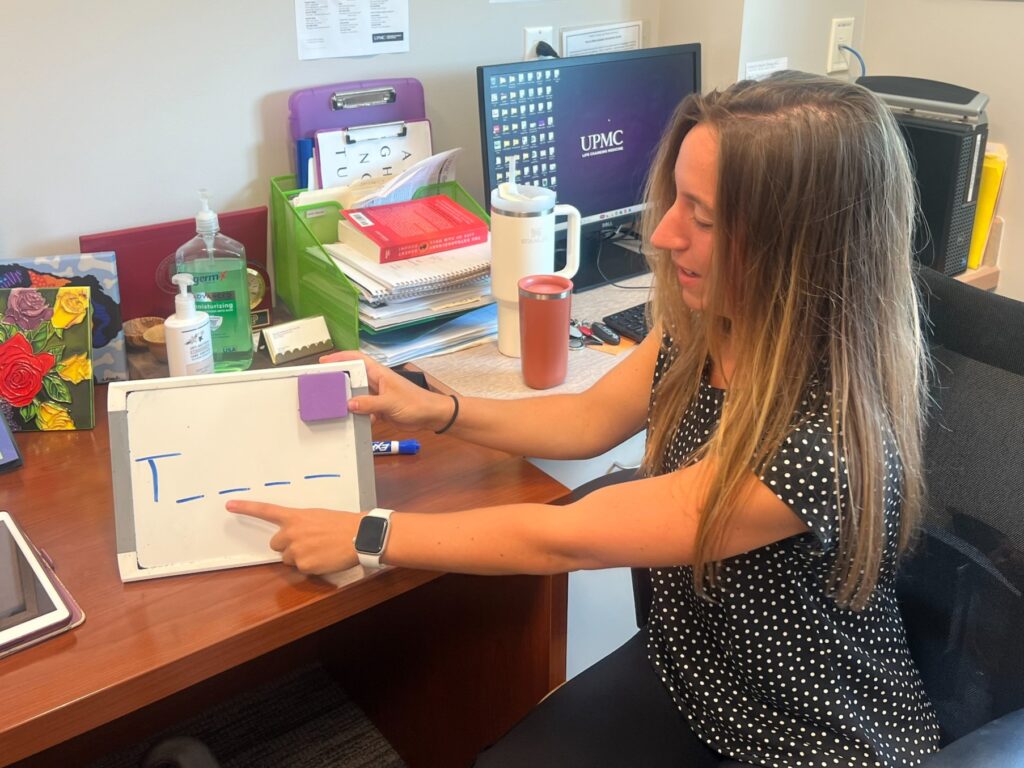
x: 368, y: 152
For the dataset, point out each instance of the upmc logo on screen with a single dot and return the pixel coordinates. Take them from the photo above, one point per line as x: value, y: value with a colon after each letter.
x: 593, y: 144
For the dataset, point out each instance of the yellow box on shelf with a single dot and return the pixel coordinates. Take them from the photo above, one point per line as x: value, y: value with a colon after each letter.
x: 992, y: 172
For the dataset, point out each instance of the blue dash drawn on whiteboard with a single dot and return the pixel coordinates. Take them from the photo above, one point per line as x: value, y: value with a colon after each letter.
x: 151, y: 460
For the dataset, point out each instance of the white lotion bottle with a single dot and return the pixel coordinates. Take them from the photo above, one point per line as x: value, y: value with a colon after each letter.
x: 187, y: 333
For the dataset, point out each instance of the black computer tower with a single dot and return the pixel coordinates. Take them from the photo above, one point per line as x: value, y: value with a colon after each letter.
x: 946, y: 130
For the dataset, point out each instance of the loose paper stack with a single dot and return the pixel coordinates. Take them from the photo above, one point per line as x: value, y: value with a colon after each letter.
x: 401, y: 346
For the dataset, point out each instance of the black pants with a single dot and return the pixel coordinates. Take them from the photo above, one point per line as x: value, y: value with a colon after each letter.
x: 616, y: 714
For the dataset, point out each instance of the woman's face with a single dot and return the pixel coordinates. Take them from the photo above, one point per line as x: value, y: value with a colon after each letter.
x: 687, y: 229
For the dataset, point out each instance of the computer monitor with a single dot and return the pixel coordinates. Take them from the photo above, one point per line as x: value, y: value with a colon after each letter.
x: 587, y: 127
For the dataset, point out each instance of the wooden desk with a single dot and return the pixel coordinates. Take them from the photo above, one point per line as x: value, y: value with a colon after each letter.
x: 442, y: 664
x: 482, y: 371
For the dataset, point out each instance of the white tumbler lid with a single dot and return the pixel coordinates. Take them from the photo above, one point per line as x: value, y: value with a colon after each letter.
x: 522, y: 199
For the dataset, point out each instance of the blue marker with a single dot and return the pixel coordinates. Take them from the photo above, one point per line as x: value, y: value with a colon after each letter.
x: 385, y: 447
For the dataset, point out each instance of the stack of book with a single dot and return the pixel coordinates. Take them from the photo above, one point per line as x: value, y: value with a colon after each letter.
x: 416, y: 262
x: 414, y: 284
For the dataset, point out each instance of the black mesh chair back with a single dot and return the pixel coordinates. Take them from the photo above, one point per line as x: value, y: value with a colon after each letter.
x: 961, y: 588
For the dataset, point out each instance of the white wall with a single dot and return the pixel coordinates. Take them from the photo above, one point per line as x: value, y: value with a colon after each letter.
x: 973, y: 43
x: 715, y: 25
x: 798, y: 30
x: 114, y: 113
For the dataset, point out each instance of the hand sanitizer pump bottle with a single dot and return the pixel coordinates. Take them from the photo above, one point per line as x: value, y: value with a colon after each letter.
x: 221, y: 288
x: 187, y: 334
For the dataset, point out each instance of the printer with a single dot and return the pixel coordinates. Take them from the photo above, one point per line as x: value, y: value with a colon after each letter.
x: 946, y: 129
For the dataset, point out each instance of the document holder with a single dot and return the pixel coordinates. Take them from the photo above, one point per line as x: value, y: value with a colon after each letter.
x: 364, y: 112
x: 306, y: 278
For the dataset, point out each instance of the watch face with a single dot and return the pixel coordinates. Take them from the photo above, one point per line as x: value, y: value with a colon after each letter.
x: 370, y: 536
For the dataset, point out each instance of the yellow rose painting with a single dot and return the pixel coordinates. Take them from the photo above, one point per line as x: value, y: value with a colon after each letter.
x: 50, y: 418
x: 71, y: 307
x: 75, y: 369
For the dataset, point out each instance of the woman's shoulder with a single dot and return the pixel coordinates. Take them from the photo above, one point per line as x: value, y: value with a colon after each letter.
x: 667, y: 353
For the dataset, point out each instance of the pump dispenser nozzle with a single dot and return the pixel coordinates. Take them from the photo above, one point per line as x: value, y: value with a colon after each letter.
x: 206, y: 220
x: 184, y: 302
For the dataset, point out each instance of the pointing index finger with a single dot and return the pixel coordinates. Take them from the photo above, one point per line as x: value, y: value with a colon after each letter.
x: 272, y: 513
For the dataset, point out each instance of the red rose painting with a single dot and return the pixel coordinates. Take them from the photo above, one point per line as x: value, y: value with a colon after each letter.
x: 22, y: 371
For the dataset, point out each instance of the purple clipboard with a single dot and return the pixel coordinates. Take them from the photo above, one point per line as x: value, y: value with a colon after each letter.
x: 344, y: 105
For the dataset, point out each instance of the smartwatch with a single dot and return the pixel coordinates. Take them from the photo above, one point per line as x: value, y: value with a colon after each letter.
x: 372, y: 537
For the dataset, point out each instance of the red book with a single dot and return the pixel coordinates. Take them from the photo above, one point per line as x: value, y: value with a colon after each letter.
x: 399, y: 231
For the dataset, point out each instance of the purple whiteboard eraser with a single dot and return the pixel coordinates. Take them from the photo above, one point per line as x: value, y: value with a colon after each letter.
x: 323, y: 396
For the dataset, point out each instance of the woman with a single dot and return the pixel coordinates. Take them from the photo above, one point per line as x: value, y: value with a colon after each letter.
x: 783, y: 467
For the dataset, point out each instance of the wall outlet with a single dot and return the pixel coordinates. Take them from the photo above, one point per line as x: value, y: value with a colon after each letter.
x: 534, y: 35
x: 840, y: 34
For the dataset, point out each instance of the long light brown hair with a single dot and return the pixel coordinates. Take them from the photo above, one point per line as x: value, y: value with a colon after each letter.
x: 811, y: 278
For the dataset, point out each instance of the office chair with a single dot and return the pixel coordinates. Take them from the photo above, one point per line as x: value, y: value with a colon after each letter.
x: 960, y: 588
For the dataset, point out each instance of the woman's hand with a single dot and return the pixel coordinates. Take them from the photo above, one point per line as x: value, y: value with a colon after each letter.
x: 313, y: 540
x: 394, y: 399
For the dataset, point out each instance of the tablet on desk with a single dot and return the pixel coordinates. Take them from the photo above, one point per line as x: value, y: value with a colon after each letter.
x: 31, y: 606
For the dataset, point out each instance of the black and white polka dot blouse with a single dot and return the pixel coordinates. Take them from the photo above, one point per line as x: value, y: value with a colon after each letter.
x: 771, y: 671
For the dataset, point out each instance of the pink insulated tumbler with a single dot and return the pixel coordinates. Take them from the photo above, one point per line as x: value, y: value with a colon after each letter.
x: 544, y: 304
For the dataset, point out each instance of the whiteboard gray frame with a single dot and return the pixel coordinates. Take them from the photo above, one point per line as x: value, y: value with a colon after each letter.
x: 120, y: 459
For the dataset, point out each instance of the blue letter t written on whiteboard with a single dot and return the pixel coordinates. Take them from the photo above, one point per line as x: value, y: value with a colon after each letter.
x: 156, y: 475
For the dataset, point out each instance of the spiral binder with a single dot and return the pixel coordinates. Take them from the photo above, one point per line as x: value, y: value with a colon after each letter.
x: 399, y: 280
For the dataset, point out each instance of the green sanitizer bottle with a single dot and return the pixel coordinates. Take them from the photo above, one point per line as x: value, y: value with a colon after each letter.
x: 221, y: 288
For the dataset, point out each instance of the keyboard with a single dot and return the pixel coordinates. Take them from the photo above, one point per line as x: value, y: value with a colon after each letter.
x: 629, y: 322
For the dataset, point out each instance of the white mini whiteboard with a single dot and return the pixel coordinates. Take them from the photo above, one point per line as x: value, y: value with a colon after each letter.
x: 182, y: 447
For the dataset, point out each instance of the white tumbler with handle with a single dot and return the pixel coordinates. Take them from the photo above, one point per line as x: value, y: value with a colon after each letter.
x: 523, y: 243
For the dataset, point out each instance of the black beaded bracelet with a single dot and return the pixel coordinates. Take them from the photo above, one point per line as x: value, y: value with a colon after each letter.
x: 455, y: 415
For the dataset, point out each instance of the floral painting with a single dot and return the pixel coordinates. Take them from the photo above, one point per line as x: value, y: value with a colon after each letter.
x: 46, y: 379
x: 98, y: 271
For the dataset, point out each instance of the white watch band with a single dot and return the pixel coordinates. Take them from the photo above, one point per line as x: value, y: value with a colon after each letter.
x: 366, y: 559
